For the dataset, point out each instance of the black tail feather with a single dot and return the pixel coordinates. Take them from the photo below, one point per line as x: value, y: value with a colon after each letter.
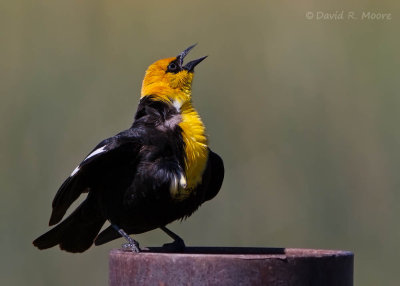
x: 106, y: 235
x: 76, y: 233
x: 69, y: 191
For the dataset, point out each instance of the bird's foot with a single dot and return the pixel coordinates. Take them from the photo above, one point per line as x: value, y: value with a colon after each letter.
x: 178, y: 245
x: 131, y: 246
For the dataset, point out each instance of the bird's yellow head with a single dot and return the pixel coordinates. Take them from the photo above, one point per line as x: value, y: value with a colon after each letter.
x: 168, y: 79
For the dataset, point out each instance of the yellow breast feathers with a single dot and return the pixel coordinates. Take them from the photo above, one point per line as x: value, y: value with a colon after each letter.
x: 196, y: 148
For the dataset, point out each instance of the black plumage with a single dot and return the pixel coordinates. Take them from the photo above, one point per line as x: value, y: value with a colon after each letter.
x: 127, y: 179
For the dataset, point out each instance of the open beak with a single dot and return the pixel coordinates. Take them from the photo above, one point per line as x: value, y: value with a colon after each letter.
x: 190, y: 65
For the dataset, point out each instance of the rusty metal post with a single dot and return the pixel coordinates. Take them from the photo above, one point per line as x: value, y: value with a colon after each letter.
x: 232, y: 266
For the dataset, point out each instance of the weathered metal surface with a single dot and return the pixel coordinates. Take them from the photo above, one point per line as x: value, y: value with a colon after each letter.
x: 232, y: 266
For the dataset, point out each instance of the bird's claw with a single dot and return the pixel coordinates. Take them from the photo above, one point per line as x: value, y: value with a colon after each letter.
x: 132, y: 247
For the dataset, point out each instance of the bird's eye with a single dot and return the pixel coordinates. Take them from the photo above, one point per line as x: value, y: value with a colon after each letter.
x: 173, y: 67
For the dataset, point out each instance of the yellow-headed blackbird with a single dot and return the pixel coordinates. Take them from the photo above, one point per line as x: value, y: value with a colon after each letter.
x: 157, y: 171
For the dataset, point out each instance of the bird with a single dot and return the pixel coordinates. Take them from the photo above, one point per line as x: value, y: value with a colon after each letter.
x: 159, y: 170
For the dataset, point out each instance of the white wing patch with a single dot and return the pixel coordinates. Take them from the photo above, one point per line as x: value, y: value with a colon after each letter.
x: 75, y: 171
x: 95, y: 152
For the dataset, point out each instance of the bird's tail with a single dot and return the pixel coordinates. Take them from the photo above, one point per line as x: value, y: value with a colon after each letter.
x: 106, y: 235
x: 76, y: 233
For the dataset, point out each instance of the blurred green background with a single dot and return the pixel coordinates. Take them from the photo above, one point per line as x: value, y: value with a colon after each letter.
x: 304, y: 112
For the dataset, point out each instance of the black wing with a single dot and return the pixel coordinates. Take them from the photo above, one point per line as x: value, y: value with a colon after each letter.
x: 214, y: 175
x: 123, y: 146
